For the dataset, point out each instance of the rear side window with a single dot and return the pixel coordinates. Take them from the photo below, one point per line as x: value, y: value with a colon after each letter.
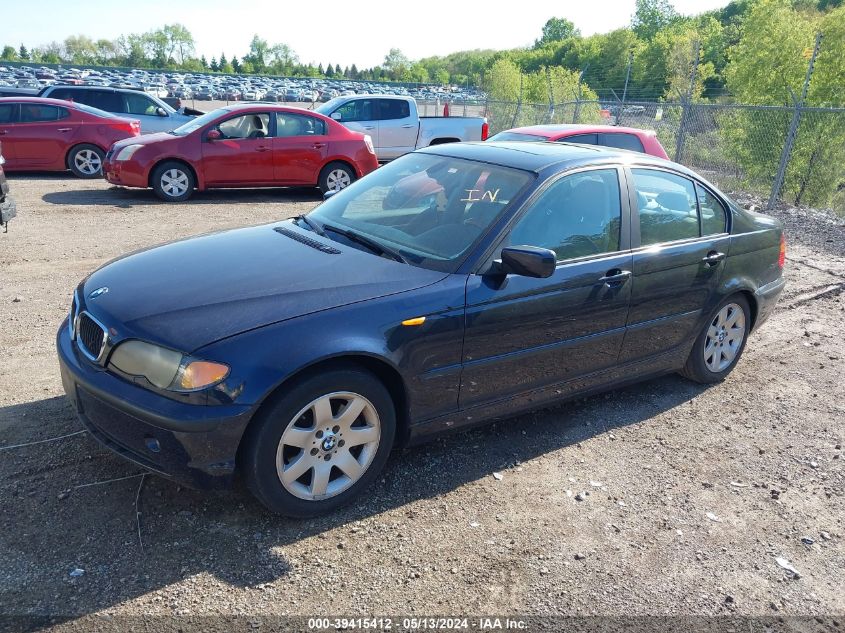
x: 584, y: 139
x: 393, y: 109
x: 7, y: 112
x: 288, y: 124
x: 713, y: 216
x: 64, y: 94
x: 622, y: 140
x: 577, y: 216
x: 37, y: 113
x: 666, y: 205
x: 104, y: 100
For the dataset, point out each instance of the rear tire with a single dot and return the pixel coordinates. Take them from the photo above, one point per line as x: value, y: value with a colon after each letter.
x: 173, y: 181
x: 320, y: 443
x: 335, y: 177
x: 86, y: 161
x: 720, y: 343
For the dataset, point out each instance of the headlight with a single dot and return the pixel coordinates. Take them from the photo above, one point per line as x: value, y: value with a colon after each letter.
x: 127, y: 152
x: 166, y: 368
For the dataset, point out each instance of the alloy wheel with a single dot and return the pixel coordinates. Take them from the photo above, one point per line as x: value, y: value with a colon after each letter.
x: 88, y: 162
x: 328, y: 446
x: 724, y: 338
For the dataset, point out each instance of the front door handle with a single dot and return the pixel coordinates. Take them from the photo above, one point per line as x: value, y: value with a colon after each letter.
x: 261, y: 149
x: 369, y: 127
x: 2, y: 132
x: 713, y: 258
x: 615, y: 277
x: 407, y: 127
x: 64, y: 129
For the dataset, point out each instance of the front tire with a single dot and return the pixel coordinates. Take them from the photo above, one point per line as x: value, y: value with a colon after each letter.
x: 335, y: 177
x: 720, y: 344
x: 86, y: 161
x: 320, y: 444
x: 173, y: 181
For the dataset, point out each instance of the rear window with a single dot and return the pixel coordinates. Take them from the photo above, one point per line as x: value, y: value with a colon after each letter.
x: 516, y: 136
x: 622, y: 140
x: 583, y: 139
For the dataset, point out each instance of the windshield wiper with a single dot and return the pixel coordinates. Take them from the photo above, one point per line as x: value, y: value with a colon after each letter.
x: 373, y: 245
x: 312, y: 224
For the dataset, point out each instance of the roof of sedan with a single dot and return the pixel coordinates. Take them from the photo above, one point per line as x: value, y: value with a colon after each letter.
x: 536, y: 156
x: 38, y: 100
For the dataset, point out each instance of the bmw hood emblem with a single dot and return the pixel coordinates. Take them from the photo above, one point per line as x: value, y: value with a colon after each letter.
x: 98, y: 292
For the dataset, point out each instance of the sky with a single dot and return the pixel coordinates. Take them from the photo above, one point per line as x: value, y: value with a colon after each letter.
x: 322, y: 32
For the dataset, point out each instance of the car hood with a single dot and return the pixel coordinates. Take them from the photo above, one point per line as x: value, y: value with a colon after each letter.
x: 191, y: 293
x: 145, y: 139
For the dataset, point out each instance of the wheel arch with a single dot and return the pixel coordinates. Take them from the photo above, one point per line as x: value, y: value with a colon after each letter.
x: 742, y: 287
x: 335, y: 160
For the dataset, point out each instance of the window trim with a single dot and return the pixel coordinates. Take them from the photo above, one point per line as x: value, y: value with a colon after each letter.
x: 636, y: 239
x: 625, y: 244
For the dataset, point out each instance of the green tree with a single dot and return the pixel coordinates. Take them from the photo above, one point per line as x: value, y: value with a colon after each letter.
x: 258, y: 55
x: 213, y: 65
x: 23, y: 53
x: 80, y: 50
x: 395, y: 63
x: 651, y: 16
x: 353, y: 71
x: 9, y: 54
x: 236, y: 65
x: 556, y: 30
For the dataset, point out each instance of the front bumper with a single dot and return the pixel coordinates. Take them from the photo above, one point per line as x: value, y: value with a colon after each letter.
x: 192, y: 444
x: 126, y: 173
x: 767, y: 298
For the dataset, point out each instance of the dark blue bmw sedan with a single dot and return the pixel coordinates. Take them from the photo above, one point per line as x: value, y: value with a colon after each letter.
x: 456, y: 284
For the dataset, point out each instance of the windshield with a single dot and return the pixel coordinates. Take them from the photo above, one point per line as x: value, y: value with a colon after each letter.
x: 430, y: 209
x: 330, y: 106
x: 517, y: 136
x: 195, y: 124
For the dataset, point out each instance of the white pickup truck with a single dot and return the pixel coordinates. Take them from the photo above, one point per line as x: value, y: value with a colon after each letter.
x: 395, y: 125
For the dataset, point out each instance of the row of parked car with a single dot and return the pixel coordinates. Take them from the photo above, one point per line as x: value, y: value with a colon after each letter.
x: 213, y: 86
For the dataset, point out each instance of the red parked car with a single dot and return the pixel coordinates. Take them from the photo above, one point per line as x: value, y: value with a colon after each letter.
x: 644, y: 141
x: 53, y: 135
x: 249, y: 145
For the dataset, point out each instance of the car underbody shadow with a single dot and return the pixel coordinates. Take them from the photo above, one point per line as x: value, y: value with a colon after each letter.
x: 72, y: 505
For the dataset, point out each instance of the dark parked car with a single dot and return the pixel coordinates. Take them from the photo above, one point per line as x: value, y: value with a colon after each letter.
x: 301, y: 352
x: 8, y: 208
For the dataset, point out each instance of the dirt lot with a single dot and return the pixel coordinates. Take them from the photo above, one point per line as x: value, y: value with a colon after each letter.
x: 693, y: 492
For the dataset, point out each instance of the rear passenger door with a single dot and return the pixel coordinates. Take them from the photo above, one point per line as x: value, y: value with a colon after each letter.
x: 397, y: 129
x: 680, y: 238
x: 300, y: 147
x: 8, y: 118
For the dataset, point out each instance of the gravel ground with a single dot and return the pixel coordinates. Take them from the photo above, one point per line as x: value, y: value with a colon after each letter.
x: 666, y: 498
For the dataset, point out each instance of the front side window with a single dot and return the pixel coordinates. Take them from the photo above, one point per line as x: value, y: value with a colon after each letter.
x: 289, y: 124
x: 140, y: 104
x: 666, y: 205
x: 246, y: 126
x: 713, y: 216
x: 576, y: 216
x: 431, y: 209
x: 36, y: 113
x: 358, y: 110
x: 7, y: 112
x: 584, y: 139
x: 393, y: 109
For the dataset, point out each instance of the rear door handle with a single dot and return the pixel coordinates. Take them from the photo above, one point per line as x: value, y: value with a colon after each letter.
x: 319, y: 145
x: 713, y: 258
x: 3, y: 132
x: 64, y: 129
x: 615, y: 277
x: 261, y: 149
x: 408, y: 127
x: 369, y: 127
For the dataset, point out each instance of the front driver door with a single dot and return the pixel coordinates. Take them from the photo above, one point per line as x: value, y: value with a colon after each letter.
x: 525, y: 334
x: 244, y: 153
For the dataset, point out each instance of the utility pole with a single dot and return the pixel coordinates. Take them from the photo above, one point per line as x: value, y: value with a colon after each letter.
x: 793, y: 127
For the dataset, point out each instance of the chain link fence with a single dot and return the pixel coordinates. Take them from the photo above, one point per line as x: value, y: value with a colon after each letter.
x: 794, y: 154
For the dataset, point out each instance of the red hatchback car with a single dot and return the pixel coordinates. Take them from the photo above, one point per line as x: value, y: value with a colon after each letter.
x: 250, y: 145
x: 644, y: 141
x: 53, y: 135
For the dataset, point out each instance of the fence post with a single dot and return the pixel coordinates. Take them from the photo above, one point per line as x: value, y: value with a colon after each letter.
x: 518, y: 103
x: 793, y: 126
x: 685, y: 104
x: 578, y: 96
x: 551, y: 114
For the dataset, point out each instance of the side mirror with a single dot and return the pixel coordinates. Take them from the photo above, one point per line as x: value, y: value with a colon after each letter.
x: 528, y: 261
x: 337, y: 116
x: 214, y: 135
x: 329, y: 194
x: 161, y: 111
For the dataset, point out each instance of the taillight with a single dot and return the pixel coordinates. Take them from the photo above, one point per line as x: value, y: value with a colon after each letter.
x: 782, y: 254
x: 485, y: 130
